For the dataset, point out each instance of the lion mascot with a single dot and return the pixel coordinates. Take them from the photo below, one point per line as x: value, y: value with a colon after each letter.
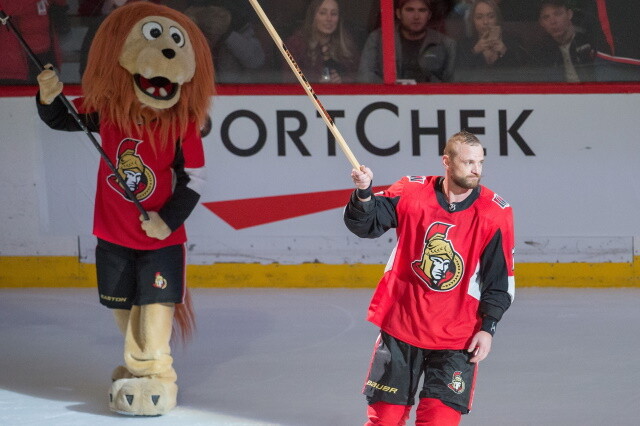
x: 147, y: 89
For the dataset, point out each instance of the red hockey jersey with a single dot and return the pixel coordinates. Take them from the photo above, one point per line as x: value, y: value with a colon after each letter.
x: 452, y: 264
x: 149, y: 175
x: 168, y: 181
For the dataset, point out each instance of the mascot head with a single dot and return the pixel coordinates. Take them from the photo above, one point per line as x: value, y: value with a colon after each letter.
x: 149, y: 66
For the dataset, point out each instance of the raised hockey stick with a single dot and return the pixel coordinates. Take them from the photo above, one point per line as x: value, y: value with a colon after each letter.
x: 305, y: 84
x: 6, y: 20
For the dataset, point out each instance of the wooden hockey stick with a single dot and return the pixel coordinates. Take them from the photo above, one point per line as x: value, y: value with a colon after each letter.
x: 305, y: 84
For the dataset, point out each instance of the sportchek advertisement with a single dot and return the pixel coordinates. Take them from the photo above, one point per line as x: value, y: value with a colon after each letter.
x: 278, y: 181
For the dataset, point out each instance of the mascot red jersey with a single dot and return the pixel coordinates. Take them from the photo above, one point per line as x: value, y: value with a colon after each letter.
x: 147, y: 88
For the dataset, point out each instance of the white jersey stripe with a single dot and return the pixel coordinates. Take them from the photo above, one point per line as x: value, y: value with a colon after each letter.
x: 474, y: 284
x: 198, y: 179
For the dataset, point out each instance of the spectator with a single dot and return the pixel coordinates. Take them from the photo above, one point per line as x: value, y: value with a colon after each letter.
x: 32, y: 19
x: 322, y: 48
x: 422, y: 54
x: 235, y: 48
x: 567, y: 52
x: 488, y: 54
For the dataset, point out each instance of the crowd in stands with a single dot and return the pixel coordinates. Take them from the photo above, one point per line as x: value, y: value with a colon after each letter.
x: 339, y: 41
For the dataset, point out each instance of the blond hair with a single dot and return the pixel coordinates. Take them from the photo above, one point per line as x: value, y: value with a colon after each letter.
x: 451, y: 148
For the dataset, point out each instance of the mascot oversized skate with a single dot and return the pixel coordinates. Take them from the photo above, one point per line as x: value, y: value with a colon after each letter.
x: 147, y: 88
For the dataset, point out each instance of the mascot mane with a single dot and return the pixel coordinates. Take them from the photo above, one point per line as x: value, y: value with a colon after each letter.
x: 109, y: 88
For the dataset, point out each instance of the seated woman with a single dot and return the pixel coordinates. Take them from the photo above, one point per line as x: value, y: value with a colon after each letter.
x: 488, y: 53
x: 322, y: 48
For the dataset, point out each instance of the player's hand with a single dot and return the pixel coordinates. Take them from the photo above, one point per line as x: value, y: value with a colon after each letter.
x: 50, y: 85
x: 155, y: 227
x: 362, y: 178
x: 480, y: 346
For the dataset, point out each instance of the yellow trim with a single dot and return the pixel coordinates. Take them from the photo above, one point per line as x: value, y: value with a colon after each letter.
x: 62, y: 271
x: 45, y: 271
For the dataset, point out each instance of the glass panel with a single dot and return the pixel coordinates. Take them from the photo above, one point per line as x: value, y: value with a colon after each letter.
x: 60, y: 32
x: 339, y: 41
x: 552, y: 40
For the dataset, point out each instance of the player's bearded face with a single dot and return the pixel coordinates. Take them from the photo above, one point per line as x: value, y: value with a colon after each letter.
x: 466, y: 167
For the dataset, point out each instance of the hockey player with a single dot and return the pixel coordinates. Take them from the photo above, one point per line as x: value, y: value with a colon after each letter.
x: 447, y: 284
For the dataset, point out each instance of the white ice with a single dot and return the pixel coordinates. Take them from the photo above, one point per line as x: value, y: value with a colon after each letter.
x: 298, y: 357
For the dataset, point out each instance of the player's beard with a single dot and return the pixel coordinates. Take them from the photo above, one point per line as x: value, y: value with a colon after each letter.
x: 466, y: 182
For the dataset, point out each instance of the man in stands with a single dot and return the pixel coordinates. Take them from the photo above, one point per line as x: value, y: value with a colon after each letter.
x: 422, y: 54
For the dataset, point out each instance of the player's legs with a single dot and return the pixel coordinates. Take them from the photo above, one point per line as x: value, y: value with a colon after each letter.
x: 385, y: 414
x: 392, y: 382
x: 448, y: 387
x: 432, y: 412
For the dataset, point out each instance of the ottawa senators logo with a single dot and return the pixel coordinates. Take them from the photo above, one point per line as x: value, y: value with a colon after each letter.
x: 138, y: 177
x: 457, y: 384
x: 160, y: 282
x: 440, y: 267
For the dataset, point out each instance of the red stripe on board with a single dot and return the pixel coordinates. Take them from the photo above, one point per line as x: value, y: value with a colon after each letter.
x: 387, y: 89
x: 248, y: 212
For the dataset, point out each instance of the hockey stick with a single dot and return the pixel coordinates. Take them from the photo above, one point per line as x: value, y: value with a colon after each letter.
x: 6, y: 20
x: 305, y: 84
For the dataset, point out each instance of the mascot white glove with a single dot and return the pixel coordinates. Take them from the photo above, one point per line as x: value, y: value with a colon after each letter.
x: 155, y: 227
x: 50, y: 85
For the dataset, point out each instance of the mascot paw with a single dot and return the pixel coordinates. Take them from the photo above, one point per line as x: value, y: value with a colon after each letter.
x: 142, y: 396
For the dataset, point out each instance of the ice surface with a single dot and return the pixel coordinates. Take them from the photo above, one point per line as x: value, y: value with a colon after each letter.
x: 298, y: 357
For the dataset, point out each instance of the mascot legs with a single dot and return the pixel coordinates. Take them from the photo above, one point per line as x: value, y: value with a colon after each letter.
x: 122, y: 320
x: 146, y: 385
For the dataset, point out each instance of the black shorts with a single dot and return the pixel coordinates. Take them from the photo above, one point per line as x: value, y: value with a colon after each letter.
x: 396, y: 368
x: 129, y: 277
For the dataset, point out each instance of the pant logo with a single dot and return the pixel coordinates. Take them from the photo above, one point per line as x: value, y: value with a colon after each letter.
x: 457, y: 384
x: 160, y: 282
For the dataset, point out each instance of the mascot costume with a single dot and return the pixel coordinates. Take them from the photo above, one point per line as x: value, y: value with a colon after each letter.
x: 147, y: 89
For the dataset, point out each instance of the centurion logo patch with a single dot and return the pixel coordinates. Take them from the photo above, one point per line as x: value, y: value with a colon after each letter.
x: 440, y: 266
x: 138, y: 177
x: 457, y: 384
x: 160, y: 282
